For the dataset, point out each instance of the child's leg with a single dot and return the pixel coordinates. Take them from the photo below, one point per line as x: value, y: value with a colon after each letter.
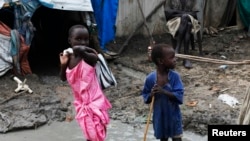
x: 176, y: 139
x: 164, y: 139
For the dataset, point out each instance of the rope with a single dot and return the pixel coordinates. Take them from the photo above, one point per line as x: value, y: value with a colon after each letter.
x: 209, y: 60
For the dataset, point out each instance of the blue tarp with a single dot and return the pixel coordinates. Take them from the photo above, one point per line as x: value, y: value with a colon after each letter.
x: 105, y: 12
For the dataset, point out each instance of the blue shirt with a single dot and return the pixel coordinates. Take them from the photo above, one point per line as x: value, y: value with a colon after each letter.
x: 167, y: 118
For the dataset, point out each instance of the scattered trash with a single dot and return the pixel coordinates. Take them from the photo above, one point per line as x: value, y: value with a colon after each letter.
x: 210, y: 105
x: 21, y: 86
x: 223, y: 67
x: 240, y: 36
x: 192, y: 103
x: 69, y: 118
x: 220, y: 29
x: 231, y: 101
x: 214, y: 88
x: 223, y: 57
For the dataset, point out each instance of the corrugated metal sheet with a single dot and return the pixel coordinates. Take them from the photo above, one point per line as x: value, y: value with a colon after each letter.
x: 129, y: 16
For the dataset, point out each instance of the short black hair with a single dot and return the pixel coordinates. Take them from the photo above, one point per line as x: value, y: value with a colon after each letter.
x: 77, y: 26
x: 157, y: 50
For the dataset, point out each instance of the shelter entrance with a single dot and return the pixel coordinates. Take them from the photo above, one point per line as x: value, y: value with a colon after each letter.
x: 50, y: 36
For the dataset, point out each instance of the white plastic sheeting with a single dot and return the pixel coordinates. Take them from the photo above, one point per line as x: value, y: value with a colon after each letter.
x: 5, y: 57
x: 231, y: 101
x: 74, y: 5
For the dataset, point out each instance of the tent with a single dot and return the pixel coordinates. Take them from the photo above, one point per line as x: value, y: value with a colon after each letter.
x: 51, y: 20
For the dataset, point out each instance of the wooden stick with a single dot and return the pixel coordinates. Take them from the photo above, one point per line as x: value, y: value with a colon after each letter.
x: 139, y: 26
x: 149, y: 116
x: 244, y: 110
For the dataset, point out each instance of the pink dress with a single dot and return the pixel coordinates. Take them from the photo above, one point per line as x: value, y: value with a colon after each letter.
x: 90, y: 103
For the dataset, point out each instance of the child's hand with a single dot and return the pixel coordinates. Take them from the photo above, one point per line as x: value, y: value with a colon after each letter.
x: 157, y: 89
x: 91, y: 50
x: 64, y: 58
x: 153, y: 91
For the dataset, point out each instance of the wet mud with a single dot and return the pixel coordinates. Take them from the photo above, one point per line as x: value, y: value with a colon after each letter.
x: 51, y: 99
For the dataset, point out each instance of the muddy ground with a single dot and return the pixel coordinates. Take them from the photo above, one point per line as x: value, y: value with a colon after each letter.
x: 51, y: 99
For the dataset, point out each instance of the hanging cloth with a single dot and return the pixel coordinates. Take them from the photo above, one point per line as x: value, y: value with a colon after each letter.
x: 105, y: 12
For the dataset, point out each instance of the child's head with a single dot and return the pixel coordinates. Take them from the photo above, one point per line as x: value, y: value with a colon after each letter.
x: 78, y: 35
x: 163, y: 55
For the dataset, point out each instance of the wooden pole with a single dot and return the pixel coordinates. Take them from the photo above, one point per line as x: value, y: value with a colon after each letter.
x: 149, y: 117
x: 139, y: 26
x: 211, y: 60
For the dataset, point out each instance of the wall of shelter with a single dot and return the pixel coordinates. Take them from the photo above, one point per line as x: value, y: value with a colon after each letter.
x: 211, y: 13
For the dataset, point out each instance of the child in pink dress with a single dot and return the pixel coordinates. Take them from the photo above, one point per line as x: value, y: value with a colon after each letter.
x: 78, y: 68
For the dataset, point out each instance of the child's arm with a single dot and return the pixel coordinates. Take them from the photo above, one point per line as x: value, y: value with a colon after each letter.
x: 88, y: 54
x: 64, y: 59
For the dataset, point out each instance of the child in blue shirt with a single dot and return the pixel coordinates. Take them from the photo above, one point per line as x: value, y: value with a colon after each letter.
x: 165, y: 85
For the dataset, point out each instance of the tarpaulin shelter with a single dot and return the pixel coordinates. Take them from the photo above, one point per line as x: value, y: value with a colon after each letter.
x: 51, y: 20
